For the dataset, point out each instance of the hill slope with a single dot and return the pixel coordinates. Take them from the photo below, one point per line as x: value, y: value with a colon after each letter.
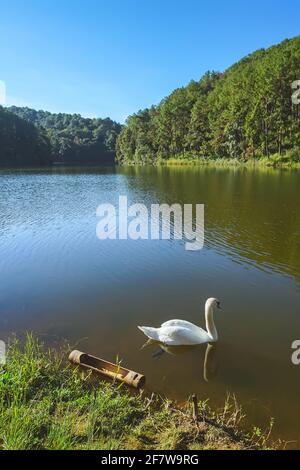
x: 245, y: 112
x: 74, y: 139
x: 21, y: 143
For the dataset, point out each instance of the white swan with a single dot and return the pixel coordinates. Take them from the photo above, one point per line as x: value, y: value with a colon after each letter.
x: 181, y: 332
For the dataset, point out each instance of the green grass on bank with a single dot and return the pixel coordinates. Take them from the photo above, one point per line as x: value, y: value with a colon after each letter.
x: 45, y: 403
x: 288, y: 160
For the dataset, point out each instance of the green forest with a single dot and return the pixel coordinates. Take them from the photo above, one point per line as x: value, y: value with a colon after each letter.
x: 245, y: 113
x: 22, y: 143
x: 30, y: 138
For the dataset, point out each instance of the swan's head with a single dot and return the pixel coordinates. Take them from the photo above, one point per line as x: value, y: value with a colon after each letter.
x: 212, y: 303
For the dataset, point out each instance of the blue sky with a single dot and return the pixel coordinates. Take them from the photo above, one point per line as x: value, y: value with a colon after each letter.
x: 111, y: 58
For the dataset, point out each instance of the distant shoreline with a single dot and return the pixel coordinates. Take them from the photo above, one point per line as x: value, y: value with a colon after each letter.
x: 223, y: 162
x: 272, y: 162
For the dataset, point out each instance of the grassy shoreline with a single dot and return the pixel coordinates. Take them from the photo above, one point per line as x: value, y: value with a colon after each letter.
x: 275, y: 163
x: 287, y: 161
x: 45, y: 403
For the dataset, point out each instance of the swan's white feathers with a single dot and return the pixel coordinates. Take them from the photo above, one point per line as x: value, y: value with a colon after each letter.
x: 176, y: 335
x: 150, y: 332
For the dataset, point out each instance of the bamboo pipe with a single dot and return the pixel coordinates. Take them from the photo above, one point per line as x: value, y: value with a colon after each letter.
x: 107, y: 369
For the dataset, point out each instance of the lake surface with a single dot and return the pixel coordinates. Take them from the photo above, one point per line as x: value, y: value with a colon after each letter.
x: 58, y: 280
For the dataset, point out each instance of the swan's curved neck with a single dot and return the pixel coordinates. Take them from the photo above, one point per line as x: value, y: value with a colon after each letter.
x: 210, y: 324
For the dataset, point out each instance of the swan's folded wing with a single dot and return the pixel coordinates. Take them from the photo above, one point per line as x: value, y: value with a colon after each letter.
x: 177, y: 335
x: 181, y: 323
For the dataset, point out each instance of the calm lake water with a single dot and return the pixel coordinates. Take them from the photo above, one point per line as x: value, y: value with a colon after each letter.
x: 58, y: 280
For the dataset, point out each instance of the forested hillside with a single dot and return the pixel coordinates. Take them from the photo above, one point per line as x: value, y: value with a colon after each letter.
x: 244, y: 113
x: 22, y: 143
x: 74, y: 139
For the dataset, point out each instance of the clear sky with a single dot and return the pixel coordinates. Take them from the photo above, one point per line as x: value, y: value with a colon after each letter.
x: 113, y: 57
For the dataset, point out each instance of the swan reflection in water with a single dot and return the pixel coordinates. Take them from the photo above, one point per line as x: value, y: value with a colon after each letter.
x: 210, y: 364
